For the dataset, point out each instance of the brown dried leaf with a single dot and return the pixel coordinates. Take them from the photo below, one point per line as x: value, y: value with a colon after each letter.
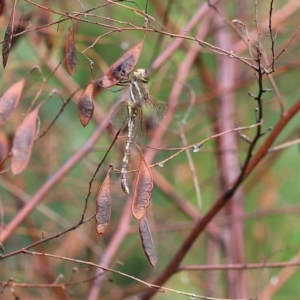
x: 147, y: 241
x: 8, y: 37
x: 86, y: 105
x: 2, y: 6
x: 70, y: 52
x: 10, y: 100
x: 103, y: 206
x: 4, y: 146
x: 142, y: 190
x: 123, y: 66
x: 23, y: 142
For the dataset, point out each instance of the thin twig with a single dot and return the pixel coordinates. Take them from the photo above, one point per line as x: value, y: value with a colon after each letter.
x: 173, y: 265
x: 152, y: 286
x: 271, y: 36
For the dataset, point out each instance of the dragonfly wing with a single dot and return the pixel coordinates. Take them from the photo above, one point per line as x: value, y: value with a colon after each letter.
x: 139, y: 131
x: 156, y: 109
x: 119, y: 116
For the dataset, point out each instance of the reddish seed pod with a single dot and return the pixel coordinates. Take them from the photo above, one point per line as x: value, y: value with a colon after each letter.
x: 86, y: 105
x: 23, y: 142
x: 70, y: 52
x: 142, y: 190
x: 10, y: 100
x: 123, y: 66
x: 103, y: 206
x: 147, y: 241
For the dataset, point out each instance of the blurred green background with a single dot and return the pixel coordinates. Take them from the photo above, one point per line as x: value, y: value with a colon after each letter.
x: 269, y: 215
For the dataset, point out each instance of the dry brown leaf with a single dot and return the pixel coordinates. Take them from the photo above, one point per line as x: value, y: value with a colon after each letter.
x: 123, y: 66
x: 103, y: 206
x: 70, y: 52
x: 8, y: 37
x: 147, y: 241
x: 2, y: 6
x: 23, y: 142
x: 10, y: 100
x: 142, y: 190
x: 44, y: 18
x: 86, y: 105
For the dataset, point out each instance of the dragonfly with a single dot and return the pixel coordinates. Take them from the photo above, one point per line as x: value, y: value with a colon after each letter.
x: 129, y: 117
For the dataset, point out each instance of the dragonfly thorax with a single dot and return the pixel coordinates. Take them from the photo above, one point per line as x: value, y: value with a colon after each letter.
x: 139, y: 92
x: 133, y: 108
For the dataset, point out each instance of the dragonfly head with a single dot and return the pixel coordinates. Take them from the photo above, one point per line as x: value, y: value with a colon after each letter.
x: 141, y: 74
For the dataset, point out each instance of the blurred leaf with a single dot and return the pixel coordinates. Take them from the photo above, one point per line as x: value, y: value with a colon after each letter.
x: 44, y: 18
x: 103, y: 206
x: 4, y: 146
x: 123, y: 66
x: 147, y: 241
x: 86, y: 105
x: 142, y: 190
x: 2, y: 6
x: 23, y: 142
x: 10, y: 100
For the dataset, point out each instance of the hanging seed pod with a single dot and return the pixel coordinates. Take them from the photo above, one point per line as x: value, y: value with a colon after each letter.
x: 142, y: 190
x: 23, y: 142
x: 103, y: 205
x: 70, y: 52
x: 8, y: 37
x: 10, y: 100
x: 86, y: 105
x: 147, y: 241
x: 123, y: 66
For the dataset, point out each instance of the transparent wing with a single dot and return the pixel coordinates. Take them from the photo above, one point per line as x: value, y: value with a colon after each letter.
x: 119, y: 116
x: 139, y: 131
x: 156, y: 110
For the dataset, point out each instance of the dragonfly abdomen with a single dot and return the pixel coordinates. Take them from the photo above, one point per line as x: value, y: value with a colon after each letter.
x: 132, y: 113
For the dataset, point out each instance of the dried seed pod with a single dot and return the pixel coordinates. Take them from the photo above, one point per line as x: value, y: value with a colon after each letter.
x: 147, y: 241
x: 23, y: 142
x: 70, y: 52
x: 8, y: 37
x: 103, y: 206
x: 10, y: 100
x: 86, y: 105
x: 142, y: 190
x: 123, y: 66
